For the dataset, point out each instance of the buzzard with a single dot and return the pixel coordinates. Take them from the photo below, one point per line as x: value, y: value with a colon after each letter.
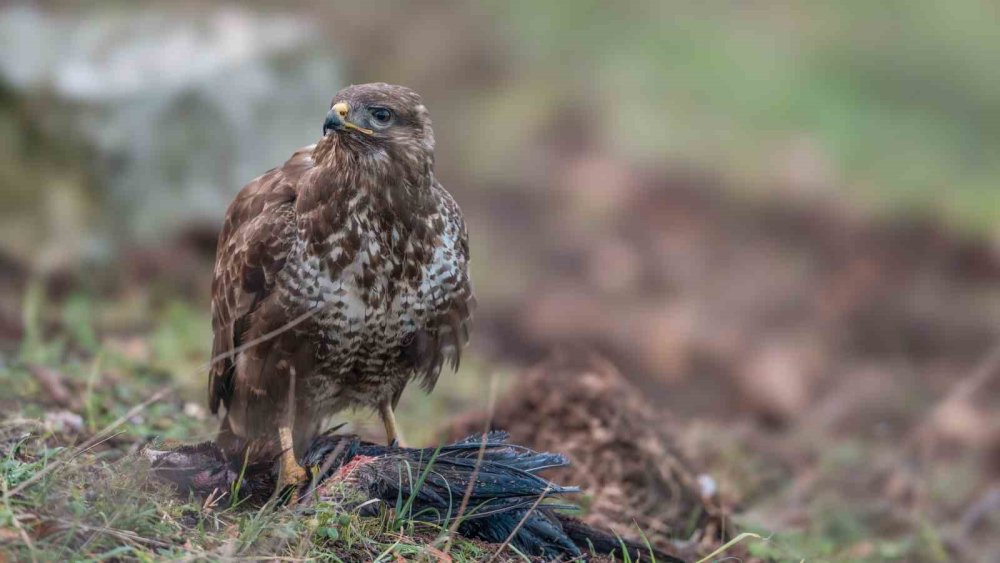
x: 340, y: 276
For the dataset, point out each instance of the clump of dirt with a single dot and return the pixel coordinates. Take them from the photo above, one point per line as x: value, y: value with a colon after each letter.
x: 620, y: 449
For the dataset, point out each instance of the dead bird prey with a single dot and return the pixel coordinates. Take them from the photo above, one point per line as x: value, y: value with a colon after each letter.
x: 340, y: 276
x: 434, y: 481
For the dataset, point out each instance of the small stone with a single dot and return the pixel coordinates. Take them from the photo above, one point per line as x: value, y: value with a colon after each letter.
x: 64, y: 421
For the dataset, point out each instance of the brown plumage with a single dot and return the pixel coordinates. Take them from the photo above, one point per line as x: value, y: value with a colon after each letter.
x: 340, y: 276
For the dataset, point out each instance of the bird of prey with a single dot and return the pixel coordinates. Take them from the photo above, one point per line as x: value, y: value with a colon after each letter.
x: 504, y: 490
x: 340, y: 276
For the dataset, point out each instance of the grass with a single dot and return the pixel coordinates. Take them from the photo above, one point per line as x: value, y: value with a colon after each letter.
x: 844, y: 511
x: 93, y: 509
x: 75, y: 488
x: 98, y: 502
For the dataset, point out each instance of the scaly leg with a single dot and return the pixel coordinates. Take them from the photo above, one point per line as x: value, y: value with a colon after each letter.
x: 392, y: 435
x: 291, y: 473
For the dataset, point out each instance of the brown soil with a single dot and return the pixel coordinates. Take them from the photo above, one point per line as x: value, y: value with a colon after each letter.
x: 621, y: 450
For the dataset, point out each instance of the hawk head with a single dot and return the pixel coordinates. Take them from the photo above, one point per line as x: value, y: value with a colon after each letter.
x: 381, y: 120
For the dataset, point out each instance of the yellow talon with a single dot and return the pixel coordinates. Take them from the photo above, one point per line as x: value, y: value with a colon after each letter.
x: 291, y: 474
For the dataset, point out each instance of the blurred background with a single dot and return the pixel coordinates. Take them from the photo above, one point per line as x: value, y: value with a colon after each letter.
x: 780, y: 221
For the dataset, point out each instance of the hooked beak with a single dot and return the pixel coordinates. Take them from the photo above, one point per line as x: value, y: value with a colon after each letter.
x: 336, y: 120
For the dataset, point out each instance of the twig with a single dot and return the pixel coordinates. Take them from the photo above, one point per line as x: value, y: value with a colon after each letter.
x: 94, y: 440
x: 327, y: 464
x: 472, y: 483
x: 517, y: 528
x: 264, y: 337
x: 120, y: 534
x: 82, y: 451
x: 17, y: 523
x: 731, y: 543
x: 453, y: 528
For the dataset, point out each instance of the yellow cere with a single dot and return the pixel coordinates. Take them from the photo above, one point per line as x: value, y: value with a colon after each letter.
x: 342, y: 109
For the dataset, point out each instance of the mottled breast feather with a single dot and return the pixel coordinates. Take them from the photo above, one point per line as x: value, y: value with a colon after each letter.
x: 453, y: 304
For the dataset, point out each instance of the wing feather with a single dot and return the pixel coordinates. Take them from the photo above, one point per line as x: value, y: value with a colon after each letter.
x: 256, y: 238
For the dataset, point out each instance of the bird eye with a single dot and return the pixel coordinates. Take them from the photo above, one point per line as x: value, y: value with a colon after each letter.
x: 381, y: 115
